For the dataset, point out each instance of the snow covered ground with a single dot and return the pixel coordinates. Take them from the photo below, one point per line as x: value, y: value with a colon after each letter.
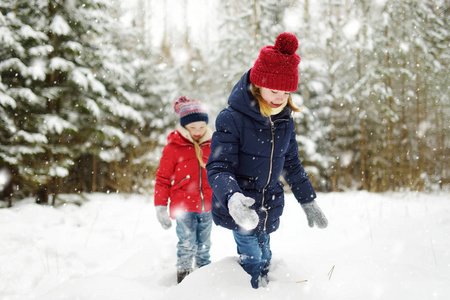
x: 377, y: 246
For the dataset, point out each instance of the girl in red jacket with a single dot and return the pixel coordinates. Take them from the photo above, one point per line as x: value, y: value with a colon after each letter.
x: 181, y: 184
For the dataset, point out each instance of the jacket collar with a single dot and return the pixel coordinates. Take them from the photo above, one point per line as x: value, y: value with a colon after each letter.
x: 285, y: 114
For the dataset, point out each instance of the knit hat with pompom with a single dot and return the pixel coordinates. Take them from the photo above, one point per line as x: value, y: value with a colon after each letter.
x: 277, y: 66
x: 190, y: 111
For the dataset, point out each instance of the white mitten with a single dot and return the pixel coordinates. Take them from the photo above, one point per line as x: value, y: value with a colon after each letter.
x: 240, y: 211
x: 163, y: 216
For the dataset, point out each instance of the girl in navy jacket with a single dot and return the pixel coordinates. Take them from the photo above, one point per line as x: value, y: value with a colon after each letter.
x: 253, y: 146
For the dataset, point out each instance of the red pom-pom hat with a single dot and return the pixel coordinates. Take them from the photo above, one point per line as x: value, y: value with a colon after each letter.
x: 277, y: 66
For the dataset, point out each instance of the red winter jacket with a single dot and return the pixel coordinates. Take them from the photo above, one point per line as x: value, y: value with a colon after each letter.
x: 180, y: 177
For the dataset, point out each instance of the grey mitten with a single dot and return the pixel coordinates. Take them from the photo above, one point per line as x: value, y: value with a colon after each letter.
x: 240, y: 211
x: 163, y: 216
x: 314, y: 215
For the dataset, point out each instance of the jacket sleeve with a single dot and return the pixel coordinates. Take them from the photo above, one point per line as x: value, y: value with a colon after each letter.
x: 224, y: 158
x: 295, y: 175
x: 164, y: 177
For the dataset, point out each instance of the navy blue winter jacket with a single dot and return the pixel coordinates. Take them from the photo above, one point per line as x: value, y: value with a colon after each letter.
x: 249, y: 154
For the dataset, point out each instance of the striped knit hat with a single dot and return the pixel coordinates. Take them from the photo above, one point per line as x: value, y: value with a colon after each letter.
x: 190, y: 111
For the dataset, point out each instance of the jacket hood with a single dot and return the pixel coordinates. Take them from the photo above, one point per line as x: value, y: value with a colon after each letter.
x: 242, y: 100
x: 181, y: 136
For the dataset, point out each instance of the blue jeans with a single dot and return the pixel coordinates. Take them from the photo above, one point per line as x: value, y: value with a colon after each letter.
x: 194, y: 232
x: 254, y: 253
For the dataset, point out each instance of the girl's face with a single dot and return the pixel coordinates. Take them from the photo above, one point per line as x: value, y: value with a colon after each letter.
x: 196, y: 129
x: 274, y: 98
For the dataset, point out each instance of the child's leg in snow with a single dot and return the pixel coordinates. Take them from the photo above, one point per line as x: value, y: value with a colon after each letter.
x: 264, y: 243
x: 204, y: 225
x: 251, y: 253
x: 187, y: 236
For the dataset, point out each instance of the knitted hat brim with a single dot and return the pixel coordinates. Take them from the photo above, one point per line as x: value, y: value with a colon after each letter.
x: 194, y: 117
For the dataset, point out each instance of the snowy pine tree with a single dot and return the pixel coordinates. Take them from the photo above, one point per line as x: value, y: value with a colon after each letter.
x: 68, y: 91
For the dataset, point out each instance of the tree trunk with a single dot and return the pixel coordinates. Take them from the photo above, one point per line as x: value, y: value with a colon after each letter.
x: 390, y: 148
x: 42, y: 195
x: 94, y: 174
x: 363, y: 151
x: 420, y: 140
x: 256, y: 22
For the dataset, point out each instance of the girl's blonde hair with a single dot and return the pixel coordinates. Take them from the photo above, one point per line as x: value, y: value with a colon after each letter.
x: 265, y: 108
x: 199, y: 153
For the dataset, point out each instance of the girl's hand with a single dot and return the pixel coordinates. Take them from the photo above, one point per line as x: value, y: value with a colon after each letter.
x: 163, y: 216
x: 314, y: 215
x: 240, y: 211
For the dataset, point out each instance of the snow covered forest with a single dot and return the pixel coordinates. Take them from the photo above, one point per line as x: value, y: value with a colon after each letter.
x: 86, y: 93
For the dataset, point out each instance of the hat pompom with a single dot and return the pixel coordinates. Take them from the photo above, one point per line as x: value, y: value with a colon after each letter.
x: 179, y: 102
x: 286, y: 43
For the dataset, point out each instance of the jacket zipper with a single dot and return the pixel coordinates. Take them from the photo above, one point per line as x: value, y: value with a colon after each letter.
x: 272, y: 129
x: 200, y: 188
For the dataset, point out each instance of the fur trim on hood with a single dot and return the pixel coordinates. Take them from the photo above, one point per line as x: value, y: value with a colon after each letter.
x: 185, y: 133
